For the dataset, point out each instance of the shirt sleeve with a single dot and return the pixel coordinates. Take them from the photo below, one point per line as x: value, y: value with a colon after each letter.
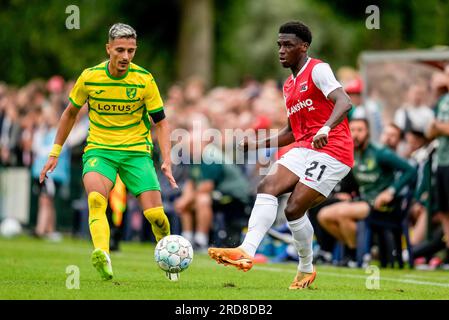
x: 389, y: 159
x: 152, y: 98
x: 79, y: 94
x: 324, y: 78
x: 423, y: 185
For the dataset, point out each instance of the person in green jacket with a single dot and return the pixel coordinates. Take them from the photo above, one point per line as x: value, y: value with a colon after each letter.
x: 374, y: 170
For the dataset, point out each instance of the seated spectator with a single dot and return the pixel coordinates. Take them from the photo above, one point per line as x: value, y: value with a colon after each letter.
x: 212, y: 184
x: 169, y: 195
x: 345, y: 190
x: 374, y: 170
x: 391, y: 136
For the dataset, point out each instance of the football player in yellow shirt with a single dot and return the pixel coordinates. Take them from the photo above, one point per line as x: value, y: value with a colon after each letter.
x: 121, y: 97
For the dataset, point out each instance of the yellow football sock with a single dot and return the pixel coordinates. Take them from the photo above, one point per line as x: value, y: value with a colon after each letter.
x: 98, y: 222
x: 159, y: 222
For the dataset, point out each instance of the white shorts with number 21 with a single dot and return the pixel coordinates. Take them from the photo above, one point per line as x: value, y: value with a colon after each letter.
x: 316, y: 170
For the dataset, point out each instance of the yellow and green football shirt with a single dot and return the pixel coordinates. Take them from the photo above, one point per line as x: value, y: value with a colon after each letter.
x: 119, y: 108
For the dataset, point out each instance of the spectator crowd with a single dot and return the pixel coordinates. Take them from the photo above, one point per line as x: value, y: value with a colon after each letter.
x: 393, y: 206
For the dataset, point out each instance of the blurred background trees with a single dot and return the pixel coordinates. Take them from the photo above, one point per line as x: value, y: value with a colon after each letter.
x: 219, y: 40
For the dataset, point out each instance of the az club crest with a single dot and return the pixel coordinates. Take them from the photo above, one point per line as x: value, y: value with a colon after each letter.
x: 131, y: 92
x: 303, y: 86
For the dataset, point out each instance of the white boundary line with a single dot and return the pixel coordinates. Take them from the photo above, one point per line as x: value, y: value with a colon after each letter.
x: 354, y: 276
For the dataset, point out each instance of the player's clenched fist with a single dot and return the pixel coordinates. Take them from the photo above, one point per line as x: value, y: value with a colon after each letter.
x: 321, y: 137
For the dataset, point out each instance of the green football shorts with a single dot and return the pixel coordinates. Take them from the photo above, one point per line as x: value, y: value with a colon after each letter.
x: 136, y: 169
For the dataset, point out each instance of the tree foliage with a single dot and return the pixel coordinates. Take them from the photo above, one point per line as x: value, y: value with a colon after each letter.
x: 36, y: 44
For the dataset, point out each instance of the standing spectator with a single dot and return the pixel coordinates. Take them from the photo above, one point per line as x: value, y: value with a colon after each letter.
x: 422, y: 207
x: 10, y: 136
x: 42, y: 144
x: 414, y: 114
x: 440, y: 129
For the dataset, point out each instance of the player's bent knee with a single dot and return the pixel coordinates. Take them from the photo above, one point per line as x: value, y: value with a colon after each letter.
x: 265, y: 186
x: 95, y: 182
x: 203, y: 200
x: 354, y: 211
x: 293, y: 211
x: 325, y: 215
x: 335, y: 211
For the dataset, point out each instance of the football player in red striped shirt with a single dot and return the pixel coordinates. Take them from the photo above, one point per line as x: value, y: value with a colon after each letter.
x: 317, y: 108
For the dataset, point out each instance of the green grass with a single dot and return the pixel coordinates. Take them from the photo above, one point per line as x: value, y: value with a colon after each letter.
x: 32, y: 269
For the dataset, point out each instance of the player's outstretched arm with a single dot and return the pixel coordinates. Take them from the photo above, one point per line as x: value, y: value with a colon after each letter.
x: 283, y: 138
x: 163, y: 136
x: 342, y: 105
x: 66, y: 123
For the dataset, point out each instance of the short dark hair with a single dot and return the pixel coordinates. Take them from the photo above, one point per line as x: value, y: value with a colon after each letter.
x: 362, y: 119
x: 397, y: 128
x: 418, y: 134
x: 299, y: 29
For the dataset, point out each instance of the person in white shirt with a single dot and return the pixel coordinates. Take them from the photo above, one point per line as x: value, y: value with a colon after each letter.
x: 414, y: 114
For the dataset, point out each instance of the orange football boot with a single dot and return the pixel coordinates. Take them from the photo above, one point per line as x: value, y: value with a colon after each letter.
x: 232, y: 256
x: 303, y: 280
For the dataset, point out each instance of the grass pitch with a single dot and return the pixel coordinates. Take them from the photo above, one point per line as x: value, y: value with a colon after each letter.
x: 35, y: 269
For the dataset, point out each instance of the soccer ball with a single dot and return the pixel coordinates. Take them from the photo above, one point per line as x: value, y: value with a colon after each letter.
x: 10, y: 227
x: 173, y: 254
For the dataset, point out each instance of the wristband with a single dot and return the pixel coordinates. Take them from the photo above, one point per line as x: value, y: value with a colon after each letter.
x: 324, y: 130
x: 55, y: 151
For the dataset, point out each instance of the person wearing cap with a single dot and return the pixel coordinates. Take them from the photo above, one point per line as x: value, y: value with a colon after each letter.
x: 368, y: 110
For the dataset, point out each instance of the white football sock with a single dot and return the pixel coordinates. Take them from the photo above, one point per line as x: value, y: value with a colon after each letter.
x: 188, y: 235
x: 202, y: 239
x: 262, y: 218
x: 302, y: 232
